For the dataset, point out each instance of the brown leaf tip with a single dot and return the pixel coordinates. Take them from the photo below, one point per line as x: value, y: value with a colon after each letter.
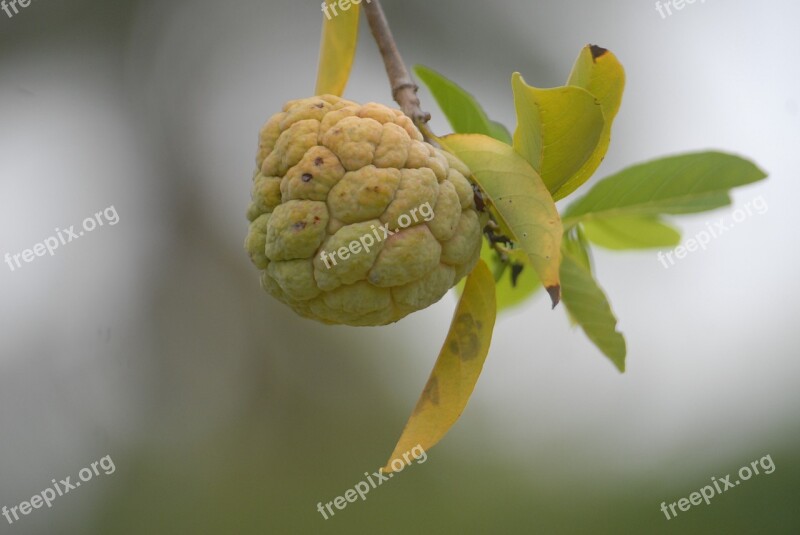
x: 555, y: 294
x: 597, y: 51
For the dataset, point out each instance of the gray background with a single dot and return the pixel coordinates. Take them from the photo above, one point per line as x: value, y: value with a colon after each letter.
x: 151, y: 341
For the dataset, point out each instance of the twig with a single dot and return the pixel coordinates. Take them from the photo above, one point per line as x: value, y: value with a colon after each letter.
x: 404, y: 90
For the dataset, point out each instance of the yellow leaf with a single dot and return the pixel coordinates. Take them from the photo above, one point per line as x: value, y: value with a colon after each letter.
x: 599, y: 72
x: 519, y: 199
x: 456, y: 370
x: 337, y: 48
x: 558, y: 130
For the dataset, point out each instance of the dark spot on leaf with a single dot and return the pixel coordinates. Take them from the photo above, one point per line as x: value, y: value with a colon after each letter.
x: 318, y: 161
x: 465, y: 342
x: 306, y: 177
x: 431, y: 394
x: 597, y: 51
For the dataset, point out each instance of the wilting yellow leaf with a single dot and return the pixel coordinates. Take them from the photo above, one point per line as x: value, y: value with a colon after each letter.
x: 599, y: 72
x: 518, y: 198
x: 457, y: 369
x: 337, y: 48
x: 558, y: 130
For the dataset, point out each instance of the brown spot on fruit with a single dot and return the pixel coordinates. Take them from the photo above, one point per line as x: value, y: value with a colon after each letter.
x: 306, y: 177
x: 318, y: 161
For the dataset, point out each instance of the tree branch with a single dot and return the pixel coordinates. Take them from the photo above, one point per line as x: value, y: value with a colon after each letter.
x: 404, y: 90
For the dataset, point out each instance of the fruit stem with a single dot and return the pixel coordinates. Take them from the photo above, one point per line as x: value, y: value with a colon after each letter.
x: 404, y: 89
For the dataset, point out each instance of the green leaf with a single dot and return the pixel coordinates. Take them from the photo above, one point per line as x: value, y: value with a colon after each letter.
x: 521, y: 203
x: 463, y: 112
x: 499, y: 132
x: 675, y: 185
x: 577, y: 246
x: 457, y: 369
x: 337, y: 50
x: 589, y: 307
x: 558, y: 130
x: 631, y: 232
x: 599, y: 72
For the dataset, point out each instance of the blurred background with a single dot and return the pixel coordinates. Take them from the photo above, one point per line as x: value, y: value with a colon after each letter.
x: 152, y: 342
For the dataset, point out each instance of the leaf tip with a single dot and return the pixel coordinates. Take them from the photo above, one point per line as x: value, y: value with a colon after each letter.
x: 555, y: 294
x: 619, y: 356
x: 420, y: 70
x: 597, y: 51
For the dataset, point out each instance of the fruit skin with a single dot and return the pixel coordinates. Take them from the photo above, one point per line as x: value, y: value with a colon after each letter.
x: 331, y: 172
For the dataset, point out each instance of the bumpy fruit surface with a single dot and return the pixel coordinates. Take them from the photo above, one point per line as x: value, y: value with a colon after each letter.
x: 331, y: 176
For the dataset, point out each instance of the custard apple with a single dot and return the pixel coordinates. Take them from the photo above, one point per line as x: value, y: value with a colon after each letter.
x: 354, y: 218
